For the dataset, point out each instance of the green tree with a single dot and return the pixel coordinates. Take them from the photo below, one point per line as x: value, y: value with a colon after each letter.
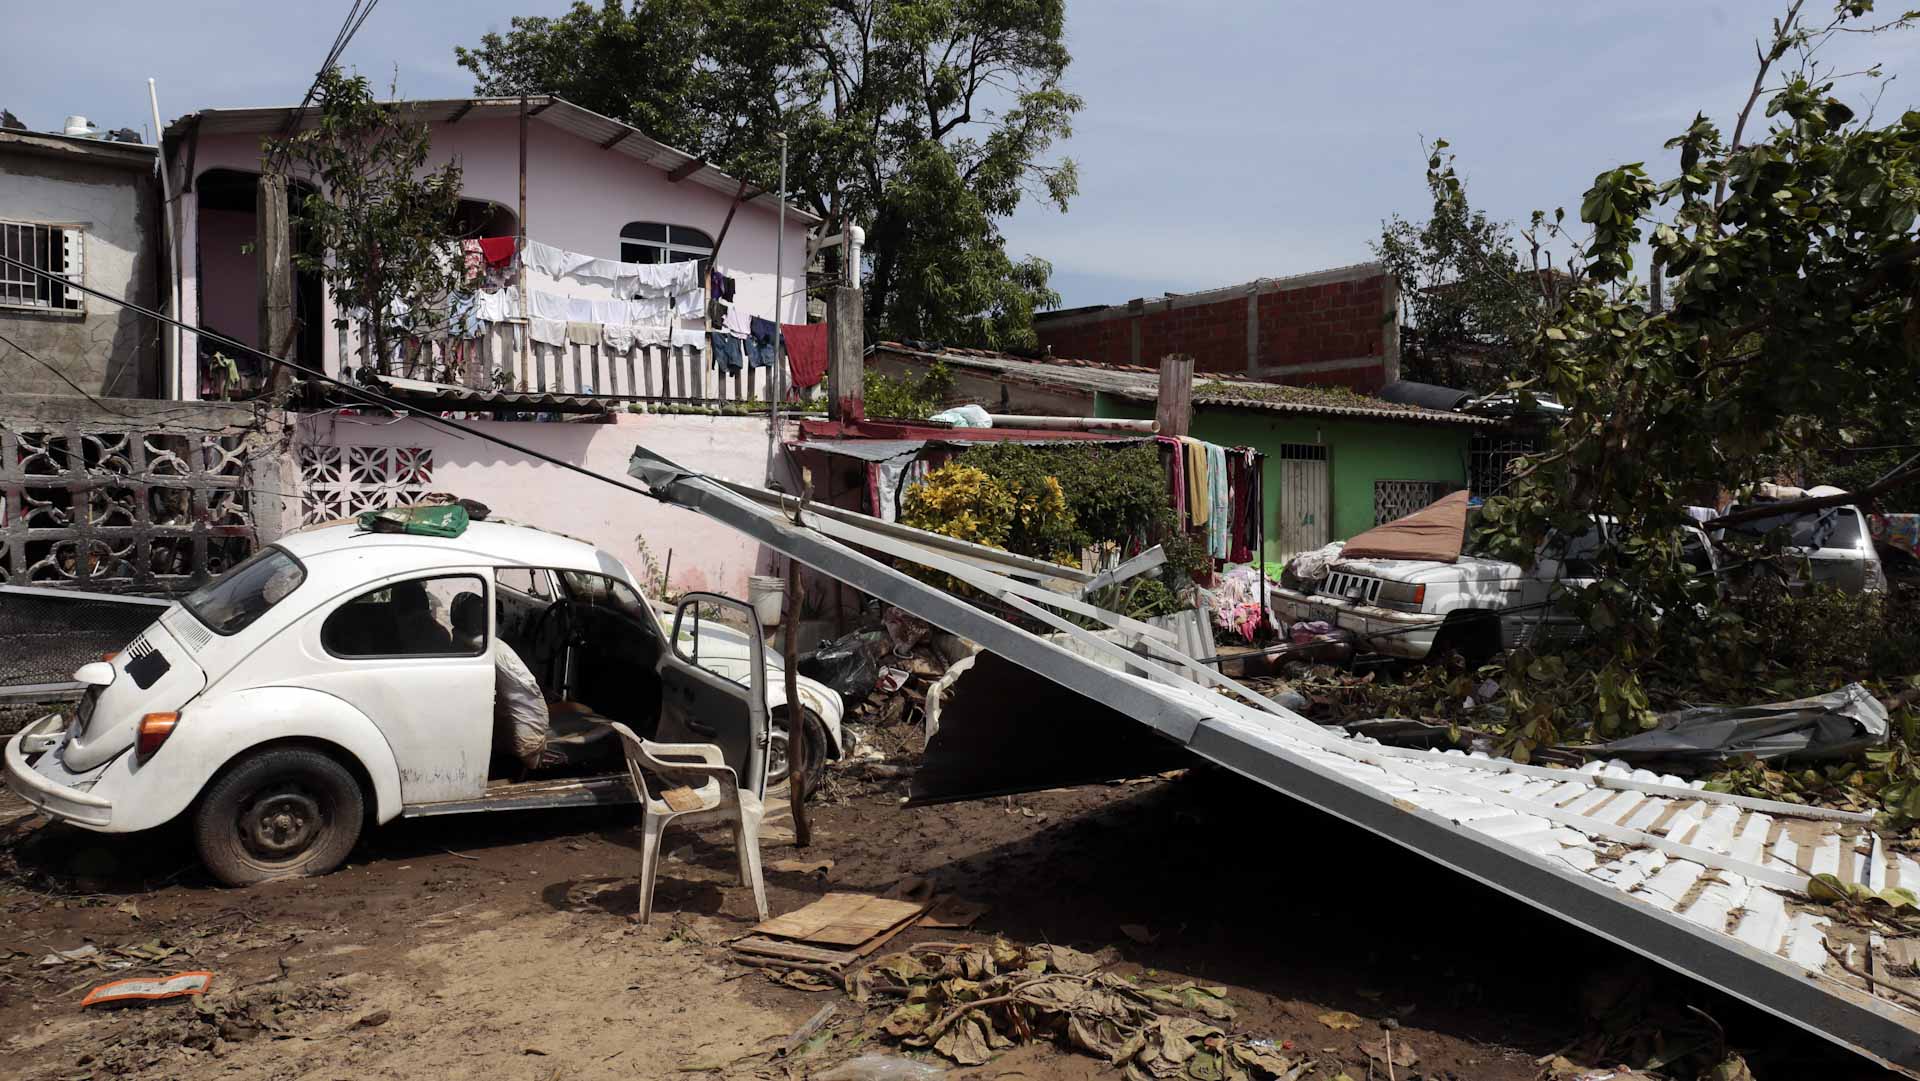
x: 925, y: 121
x: 381, y: 222
x: 1468, y: 303
x: 1792, y: 261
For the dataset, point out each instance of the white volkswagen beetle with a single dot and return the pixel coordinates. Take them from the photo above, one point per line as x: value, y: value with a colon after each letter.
x: 343, y: 675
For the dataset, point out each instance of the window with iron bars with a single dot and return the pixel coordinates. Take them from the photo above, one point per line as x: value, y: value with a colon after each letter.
x: 1490, y: 461
x: 55, y: 249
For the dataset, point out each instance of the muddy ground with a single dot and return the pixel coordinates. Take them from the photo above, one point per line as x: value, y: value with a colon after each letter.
x: 501, y: 947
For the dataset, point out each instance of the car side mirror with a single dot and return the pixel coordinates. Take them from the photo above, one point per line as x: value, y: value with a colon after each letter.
x: 94, y: 674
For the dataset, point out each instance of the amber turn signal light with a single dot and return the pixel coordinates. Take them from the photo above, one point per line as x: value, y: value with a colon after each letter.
x: 154, y: 730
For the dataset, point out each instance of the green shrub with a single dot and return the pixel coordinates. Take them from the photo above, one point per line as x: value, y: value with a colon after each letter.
x: 907, y: 398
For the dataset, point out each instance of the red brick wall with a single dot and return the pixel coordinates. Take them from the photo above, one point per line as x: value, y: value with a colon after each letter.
x: 1329, y: 321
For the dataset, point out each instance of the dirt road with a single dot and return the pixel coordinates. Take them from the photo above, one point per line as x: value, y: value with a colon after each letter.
x: 500, y: 946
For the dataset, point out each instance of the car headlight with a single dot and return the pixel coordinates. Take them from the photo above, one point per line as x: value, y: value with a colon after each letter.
x: 1401, y: 595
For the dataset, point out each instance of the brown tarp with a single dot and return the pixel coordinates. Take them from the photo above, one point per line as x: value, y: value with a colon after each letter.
x: 1433, y: 532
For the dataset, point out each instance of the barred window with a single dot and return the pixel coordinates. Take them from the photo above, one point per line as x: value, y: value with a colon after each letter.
x: 55, y: 249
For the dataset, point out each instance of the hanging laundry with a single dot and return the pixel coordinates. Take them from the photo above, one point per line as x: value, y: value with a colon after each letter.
x: 663, y: 279
x: 721, y: 286
x: 498, y: 250
x: 736, y: 321
x: 556, y: 262
x: 617, y: 337
x: 1240, y: 482
x: 1199, y: 501
x: 1220, y: 504
x: 473, y: 260
x: 611, y: 311
x: 580, y: 333
x: 806, y: 352
x: 760, y: 342
x: 690, y: 305
x: 547, y: 331
x: 546, y: 305
x: 726, y: 352
x: 463, y: 318
x: 610, y: 271
x: 496, y: 306
x: 689, y: 336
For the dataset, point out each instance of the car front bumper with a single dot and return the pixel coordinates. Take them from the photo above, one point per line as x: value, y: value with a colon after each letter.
x: 1380, y: 630
x: 34, y: 773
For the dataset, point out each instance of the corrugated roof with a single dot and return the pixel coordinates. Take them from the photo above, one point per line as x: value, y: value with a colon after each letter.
x: 1138, y: 383
x: 610, y: 134
x: 445, y: 397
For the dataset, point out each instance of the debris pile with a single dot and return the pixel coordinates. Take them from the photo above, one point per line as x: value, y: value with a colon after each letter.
x: 967, y: 1002
x: 885, y: 671
x: 172, y: 1034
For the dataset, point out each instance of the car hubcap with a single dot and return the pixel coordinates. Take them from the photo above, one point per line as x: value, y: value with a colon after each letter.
x: 777, y: 754
x: 280, y: 824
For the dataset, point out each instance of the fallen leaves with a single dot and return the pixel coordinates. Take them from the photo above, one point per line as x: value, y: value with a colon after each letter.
x: 1340, y: 1020
x: 969, y: 1002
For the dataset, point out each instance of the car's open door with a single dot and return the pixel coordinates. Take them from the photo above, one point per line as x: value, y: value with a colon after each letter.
x: 700, y: 704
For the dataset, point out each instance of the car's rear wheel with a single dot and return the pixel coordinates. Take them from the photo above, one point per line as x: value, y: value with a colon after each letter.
x: 279, y: 813
x: 779, y: 762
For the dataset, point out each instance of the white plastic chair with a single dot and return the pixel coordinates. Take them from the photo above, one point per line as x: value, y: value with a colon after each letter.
x: 703, y: 770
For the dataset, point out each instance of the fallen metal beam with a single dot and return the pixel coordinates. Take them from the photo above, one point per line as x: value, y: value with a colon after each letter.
x: 1703, y: 883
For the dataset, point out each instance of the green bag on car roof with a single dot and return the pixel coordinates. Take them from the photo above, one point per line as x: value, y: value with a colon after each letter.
x: 443, y: 521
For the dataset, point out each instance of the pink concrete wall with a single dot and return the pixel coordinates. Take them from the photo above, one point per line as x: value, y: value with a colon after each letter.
x: 230, y: 302
x: 578, y: 197
x: 706, y: 554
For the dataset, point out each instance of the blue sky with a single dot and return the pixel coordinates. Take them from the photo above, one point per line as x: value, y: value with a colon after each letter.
x: 1222, y: 141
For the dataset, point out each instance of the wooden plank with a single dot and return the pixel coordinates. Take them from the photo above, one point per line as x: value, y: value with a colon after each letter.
x: 792, y: 951
x: 842, y: 919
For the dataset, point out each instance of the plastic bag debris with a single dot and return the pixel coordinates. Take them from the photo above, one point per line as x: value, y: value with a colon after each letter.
x: 872, y: 1067
x: 148, y: 988
x: 848, y: 664
x: 965, y: 416
x: 1838, y: 724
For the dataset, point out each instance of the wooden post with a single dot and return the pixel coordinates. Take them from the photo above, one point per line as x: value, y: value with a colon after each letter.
x: 798, y: 753
x: 1175, y: 412
x: 520, y: 250
x: 275, y: 246
x: 846, y: 354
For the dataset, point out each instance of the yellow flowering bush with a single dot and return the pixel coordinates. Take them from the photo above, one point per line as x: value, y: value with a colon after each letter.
x: 964, y: 503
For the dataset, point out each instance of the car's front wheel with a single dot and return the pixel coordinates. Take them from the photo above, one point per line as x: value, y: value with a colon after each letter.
x: 779, y: 763
x: 278, y: 813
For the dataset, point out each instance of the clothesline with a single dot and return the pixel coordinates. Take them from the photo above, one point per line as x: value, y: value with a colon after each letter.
x: 653, y: 304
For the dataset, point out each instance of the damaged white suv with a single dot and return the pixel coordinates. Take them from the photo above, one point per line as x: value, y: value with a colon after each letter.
x: 1473, y: 605
x: 343, y: 677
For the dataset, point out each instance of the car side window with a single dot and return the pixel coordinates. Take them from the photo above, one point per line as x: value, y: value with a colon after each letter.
x: 421, y: 617
x: 609, y: 593
x: 531, y: 581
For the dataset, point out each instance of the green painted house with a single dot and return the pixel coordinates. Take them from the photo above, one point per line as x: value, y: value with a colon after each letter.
x: 1337, y: 462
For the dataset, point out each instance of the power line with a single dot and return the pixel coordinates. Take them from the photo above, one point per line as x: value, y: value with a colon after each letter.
x: 369, y: 396
x: 356, y: 17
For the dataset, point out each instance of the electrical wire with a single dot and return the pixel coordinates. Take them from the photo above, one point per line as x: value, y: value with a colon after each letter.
x: 356, y: 17
x: 370, y: 397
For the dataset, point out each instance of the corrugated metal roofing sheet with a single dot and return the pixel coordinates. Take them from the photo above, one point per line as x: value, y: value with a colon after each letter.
x: 1710, y: 884
x: 1141, y: 384
x: 613, y: 135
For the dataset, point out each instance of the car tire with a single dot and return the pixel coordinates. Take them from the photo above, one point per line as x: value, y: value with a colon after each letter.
x: 283, y: 813
x: 817, y: 742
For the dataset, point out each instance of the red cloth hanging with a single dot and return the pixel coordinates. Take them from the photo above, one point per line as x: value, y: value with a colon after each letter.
x: 806, y: 352
x: 498, y: 249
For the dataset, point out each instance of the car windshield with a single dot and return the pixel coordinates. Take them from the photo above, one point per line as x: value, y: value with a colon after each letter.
x: 235, y: 599
x: 1835, y: 527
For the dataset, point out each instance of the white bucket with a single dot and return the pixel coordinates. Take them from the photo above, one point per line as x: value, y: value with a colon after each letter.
x: 768, y: 595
